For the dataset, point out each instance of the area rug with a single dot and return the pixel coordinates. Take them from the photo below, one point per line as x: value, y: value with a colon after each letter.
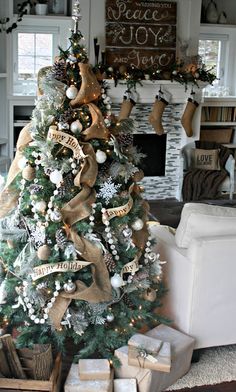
x: 216, y: 365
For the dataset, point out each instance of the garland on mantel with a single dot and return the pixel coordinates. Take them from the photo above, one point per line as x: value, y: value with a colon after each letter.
x: 186, y: 74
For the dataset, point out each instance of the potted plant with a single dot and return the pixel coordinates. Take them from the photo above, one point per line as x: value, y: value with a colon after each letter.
x: 41, y: 7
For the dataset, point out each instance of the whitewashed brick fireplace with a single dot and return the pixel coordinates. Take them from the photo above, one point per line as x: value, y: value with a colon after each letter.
x: 166, y: 186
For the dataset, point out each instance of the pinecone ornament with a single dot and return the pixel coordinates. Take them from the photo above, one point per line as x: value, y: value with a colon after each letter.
x: 125, y: 139
x: 66, y: 116
x: 61, y: 238
x: 127, y: 301
x: 66, y: 185
x: 110, y: 263
x: 58, y: 70
x: 35, y: 189
x: 104, y: 170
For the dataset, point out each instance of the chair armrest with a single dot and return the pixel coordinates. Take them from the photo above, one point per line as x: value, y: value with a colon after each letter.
x: 230, y: 165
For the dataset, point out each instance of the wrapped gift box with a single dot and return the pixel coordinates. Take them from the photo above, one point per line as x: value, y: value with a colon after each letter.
x: 125, y: 385
x: 94, y: 369
x: 74, y: 384
x: 149, y: 353
x: 150, y: 380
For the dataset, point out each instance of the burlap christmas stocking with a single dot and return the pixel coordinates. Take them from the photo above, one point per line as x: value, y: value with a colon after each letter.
x: 155, y: 118
x: 129, y: 101
x: 187, y: 117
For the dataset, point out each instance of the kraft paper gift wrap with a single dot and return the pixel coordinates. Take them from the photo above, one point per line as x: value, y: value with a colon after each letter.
x: 125, y: 385
x: 149, y: 353
x: 74, y: 384
x: 94, y: 369
x: 150, y: 380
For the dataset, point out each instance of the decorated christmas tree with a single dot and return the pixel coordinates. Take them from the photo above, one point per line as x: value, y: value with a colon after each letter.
x: 76, y: 256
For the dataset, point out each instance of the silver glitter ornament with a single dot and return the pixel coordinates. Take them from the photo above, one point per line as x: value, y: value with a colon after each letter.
x: 56, y: 216
x: 152, y: 257
x: 127, y: 232
x: 69, y: 287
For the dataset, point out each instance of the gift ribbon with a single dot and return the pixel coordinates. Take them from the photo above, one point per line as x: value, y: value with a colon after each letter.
x: 142, y: 354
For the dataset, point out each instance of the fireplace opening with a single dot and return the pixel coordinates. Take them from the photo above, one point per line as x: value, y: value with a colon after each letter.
x: 154, y: 147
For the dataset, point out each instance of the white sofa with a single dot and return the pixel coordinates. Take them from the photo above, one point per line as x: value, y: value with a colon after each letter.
x: 200, y: 273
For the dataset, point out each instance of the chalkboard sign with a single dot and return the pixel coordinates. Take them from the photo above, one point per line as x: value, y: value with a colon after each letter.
x: 140, y: 33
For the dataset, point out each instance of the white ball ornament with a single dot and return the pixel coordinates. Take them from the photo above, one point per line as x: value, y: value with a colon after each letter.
x: 107, y: 122
x: 107, y: 100
x: 71, y: 92
x: 22, y: 163
x: 56, y: 177
x: 116, y: 281
x: 137, y: 224
x: 76, y: 126
x: 101, y: 156
x: 110, y: 317
x: 40, y: 206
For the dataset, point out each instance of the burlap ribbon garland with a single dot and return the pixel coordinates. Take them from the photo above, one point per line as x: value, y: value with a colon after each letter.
x: 75, y: 210
x: 100, y: 289
x: 9, y: 195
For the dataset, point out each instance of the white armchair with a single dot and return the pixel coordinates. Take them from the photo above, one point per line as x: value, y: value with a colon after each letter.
x: 185, y: 164
x: 200, y: 273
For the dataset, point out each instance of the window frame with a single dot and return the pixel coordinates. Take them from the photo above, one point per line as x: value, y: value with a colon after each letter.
x: 230, y: 58
x: 223, y: 66
x: 28, y: 83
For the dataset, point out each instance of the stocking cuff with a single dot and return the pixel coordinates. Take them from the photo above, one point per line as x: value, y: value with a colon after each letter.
x: 131, y: 95
x: 164, y: 96
x: 195, y: 98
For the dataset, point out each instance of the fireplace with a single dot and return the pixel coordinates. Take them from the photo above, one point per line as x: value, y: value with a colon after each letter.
x: 162, y: 166
x: 154, y: 147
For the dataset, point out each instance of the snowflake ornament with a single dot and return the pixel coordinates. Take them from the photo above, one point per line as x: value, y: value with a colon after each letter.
x: 38, y: 235
x: 108, y: 190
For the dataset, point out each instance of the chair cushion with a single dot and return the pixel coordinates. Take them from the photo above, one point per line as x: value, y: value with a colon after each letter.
x: 200, y: 220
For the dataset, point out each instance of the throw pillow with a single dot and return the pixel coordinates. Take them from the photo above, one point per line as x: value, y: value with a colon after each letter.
x: 204, y: 220
x: 205, y: 159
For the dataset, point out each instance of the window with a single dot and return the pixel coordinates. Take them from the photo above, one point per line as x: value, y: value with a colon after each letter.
x: 213, y: 49
x: 33, y: 50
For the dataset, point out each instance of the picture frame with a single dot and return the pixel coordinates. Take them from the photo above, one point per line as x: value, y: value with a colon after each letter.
x: 57, y: 7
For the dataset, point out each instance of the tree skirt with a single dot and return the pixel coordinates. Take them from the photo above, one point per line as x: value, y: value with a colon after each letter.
x: 216, y: 365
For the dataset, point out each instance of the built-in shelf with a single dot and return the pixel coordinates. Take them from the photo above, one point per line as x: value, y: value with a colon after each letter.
x: 219, y: 123
x: 21, y: 124
x: 218, y: 25
x: 3, y: 75
x: 45, y: 17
